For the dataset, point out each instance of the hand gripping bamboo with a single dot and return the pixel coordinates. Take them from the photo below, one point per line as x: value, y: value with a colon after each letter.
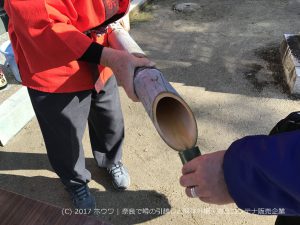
x: 170, y: 114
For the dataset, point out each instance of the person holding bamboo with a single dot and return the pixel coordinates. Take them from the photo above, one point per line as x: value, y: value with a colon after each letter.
x: 66, y: 63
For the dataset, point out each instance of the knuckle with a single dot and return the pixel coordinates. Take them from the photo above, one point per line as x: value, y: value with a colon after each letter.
x: 182, y: 181
x: 184, y: 169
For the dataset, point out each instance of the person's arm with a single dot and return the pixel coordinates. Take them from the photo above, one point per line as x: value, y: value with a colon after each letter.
x: 122, y: 64
x: 92, y: 54
x: 256, y: 172
x: 264, y: 172
x: 49, y: 40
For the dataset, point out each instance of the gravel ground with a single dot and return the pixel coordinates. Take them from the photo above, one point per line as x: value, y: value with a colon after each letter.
x: 223, y: 59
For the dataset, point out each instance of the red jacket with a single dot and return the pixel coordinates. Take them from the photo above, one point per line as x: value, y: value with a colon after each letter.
x: 47, y: 38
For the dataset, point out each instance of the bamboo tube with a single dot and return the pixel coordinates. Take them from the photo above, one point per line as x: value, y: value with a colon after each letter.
x: 172, y: 117
x: 120, y: 39
x: 170, y: 114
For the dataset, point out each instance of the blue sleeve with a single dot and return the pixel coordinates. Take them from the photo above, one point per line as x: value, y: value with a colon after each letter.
x: 263, y: 172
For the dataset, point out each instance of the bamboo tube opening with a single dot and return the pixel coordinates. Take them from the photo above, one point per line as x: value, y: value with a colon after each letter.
x: 175, y: 122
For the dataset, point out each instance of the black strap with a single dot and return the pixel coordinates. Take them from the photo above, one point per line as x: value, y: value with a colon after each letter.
x: 287, y: 220
x: 290, y: 123
x: 92, y: 54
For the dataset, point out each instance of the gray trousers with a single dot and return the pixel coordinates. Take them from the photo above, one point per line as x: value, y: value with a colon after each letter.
x: 63, y: 117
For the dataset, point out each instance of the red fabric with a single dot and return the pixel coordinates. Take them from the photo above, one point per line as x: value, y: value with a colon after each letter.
x: 123, y: 6
x: 111, y: 7
x: 47, y: 37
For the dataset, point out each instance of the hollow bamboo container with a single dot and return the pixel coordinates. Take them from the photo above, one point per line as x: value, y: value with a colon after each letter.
x: 170, y: 114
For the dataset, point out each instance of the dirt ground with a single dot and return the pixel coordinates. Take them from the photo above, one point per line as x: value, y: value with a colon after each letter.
x: 223, y: 59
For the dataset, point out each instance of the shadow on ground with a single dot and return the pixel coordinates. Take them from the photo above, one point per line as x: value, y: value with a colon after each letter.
x: 128, y: 207
x: 223, y: 46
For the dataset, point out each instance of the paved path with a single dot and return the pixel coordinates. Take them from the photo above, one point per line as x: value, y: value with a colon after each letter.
x: 223, y: 60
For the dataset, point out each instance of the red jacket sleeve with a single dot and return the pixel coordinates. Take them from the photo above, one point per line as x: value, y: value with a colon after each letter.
x: 45, y: 33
